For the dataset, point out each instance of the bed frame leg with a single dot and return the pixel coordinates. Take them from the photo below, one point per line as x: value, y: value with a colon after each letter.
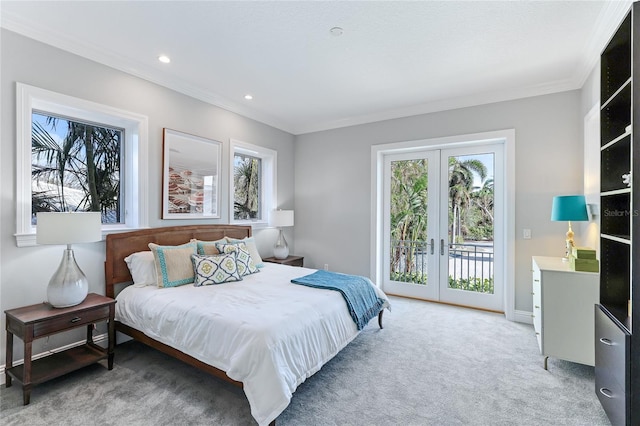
x: 380, y: 319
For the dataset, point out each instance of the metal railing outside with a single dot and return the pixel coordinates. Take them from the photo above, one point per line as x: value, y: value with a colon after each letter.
x: 470, y: 264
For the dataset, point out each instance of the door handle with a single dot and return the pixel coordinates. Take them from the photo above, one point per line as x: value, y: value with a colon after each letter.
x: 441, y: 247
x: 432, y: 244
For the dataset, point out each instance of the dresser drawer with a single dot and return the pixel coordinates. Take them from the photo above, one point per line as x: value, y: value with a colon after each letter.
x: 612, y: 348
x: 537, y: 305
x: 68, y: 321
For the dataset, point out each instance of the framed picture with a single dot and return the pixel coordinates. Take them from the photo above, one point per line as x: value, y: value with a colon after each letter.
x: 191, y: 171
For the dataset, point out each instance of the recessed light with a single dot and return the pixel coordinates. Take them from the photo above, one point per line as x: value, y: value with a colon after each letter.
x: 248, y: 97
x: 336, y: 31
x: 164, y: 59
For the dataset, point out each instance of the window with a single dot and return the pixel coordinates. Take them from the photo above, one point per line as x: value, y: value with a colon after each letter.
x: 75, y: 166
x: 74, y: 154
x: 253, y: 183
x: 247, y: 176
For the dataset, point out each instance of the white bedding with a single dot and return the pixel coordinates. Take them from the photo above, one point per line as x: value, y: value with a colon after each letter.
x: 263, y: 331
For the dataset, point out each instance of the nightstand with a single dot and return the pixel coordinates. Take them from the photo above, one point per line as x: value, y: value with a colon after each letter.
x: 290, y: 260
x: 41, y: 320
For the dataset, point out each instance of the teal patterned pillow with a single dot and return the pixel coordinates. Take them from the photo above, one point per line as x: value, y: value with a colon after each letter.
x: 215, y: 269
x: 173, y: 264
x: 243, y: 258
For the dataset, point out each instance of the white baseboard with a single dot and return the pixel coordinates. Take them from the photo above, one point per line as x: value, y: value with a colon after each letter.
x: 523, y: 316
x: 98, y: 338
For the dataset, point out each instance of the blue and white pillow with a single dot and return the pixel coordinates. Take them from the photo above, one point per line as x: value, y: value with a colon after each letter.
x: 215, y: 269
x: 251, y: 247
x: 243, y: 258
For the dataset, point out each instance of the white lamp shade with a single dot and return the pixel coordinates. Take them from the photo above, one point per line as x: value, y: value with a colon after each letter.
x: 68, y: 227
x: 281, y: 218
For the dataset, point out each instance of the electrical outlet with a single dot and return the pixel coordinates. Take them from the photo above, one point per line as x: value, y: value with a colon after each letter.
x: 526, y: 234
x: 326, y: 266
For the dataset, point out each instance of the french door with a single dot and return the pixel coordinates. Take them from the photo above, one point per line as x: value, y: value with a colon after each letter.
x: 442, y: 240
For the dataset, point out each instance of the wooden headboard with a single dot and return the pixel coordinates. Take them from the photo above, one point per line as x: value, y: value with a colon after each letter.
x: 122, y: 245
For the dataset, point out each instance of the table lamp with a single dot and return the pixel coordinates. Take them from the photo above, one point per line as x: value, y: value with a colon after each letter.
x: 280, y: 219
x: 569, y: 208
x: 68, y: 285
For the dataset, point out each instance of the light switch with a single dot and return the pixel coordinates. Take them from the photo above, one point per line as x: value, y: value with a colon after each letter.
x: 526, y: 234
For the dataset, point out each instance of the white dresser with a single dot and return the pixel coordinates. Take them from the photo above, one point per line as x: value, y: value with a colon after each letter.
x: 563, y: 310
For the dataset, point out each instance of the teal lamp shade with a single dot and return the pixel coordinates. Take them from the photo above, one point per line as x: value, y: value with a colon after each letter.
x: 569, y: 208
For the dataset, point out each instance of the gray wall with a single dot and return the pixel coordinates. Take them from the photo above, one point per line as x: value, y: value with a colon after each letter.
x: 332, y: 168
x: 333, y: 184
x: 25, y: 272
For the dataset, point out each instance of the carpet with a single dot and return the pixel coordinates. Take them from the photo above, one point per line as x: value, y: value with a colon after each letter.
x: 432, y: 364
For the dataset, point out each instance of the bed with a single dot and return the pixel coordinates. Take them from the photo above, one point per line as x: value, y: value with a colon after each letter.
x: 262, y: 333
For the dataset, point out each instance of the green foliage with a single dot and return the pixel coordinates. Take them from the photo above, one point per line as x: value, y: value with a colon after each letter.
x: 470, y: 208
x: 480, y: 285
x: 470, y: 215
x: 409, y: 277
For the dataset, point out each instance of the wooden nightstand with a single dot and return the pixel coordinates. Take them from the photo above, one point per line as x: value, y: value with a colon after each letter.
x: 41, y: 320
x: 290, y: 260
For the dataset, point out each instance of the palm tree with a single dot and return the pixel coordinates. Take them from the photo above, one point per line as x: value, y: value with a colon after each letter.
x: 88, y: 158
x: 461, y: 176
x: 246, y: 187
x: 484, y: 200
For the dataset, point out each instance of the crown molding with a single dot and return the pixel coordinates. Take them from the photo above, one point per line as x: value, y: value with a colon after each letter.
x: 613, y: 12
x: 473, y: 100
x: 608, y: 21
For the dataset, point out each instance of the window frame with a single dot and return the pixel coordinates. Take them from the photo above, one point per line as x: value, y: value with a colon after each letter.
x: 135, y: 169
x: 268, y: 184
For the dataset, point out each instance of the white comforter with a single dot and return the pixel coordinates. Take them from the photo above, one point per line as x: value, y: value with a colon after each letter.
x: 263, y: 331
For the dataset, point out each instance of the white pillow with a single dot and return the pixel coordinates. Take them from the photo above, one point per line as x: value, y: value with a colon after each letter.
x: 142, y: 268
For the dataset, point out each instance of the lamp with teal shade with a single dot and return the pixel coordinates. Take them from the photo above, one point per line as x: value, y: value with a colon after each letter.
x: 569, y: 208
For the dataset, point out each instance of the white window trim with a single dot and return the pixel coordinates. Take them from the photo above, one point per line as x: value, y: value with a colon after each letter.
x: 136, y: 199
x: 269, y: 180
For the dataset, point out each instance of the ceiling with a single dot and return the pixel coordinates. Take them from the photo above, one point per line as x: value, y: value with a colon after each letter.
x: 393, y: 59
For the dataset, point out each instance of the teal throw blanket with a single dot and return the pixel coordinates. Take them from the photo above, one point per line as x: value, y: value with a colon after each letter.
x: 361, y: 298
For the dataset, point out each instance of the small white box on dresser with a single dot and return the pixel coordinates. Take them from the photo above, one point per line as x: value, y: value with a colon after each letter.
x: 563, y: 310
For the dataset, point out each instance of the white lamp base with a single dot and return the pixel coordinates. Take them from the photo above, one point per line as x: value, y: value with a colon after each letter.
x: 281, y: 249
x: 68, y: 286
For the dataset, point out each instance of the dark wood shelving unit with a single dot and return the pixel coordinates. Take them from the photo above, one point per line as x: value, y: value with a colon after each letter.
x: 617, y: 368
